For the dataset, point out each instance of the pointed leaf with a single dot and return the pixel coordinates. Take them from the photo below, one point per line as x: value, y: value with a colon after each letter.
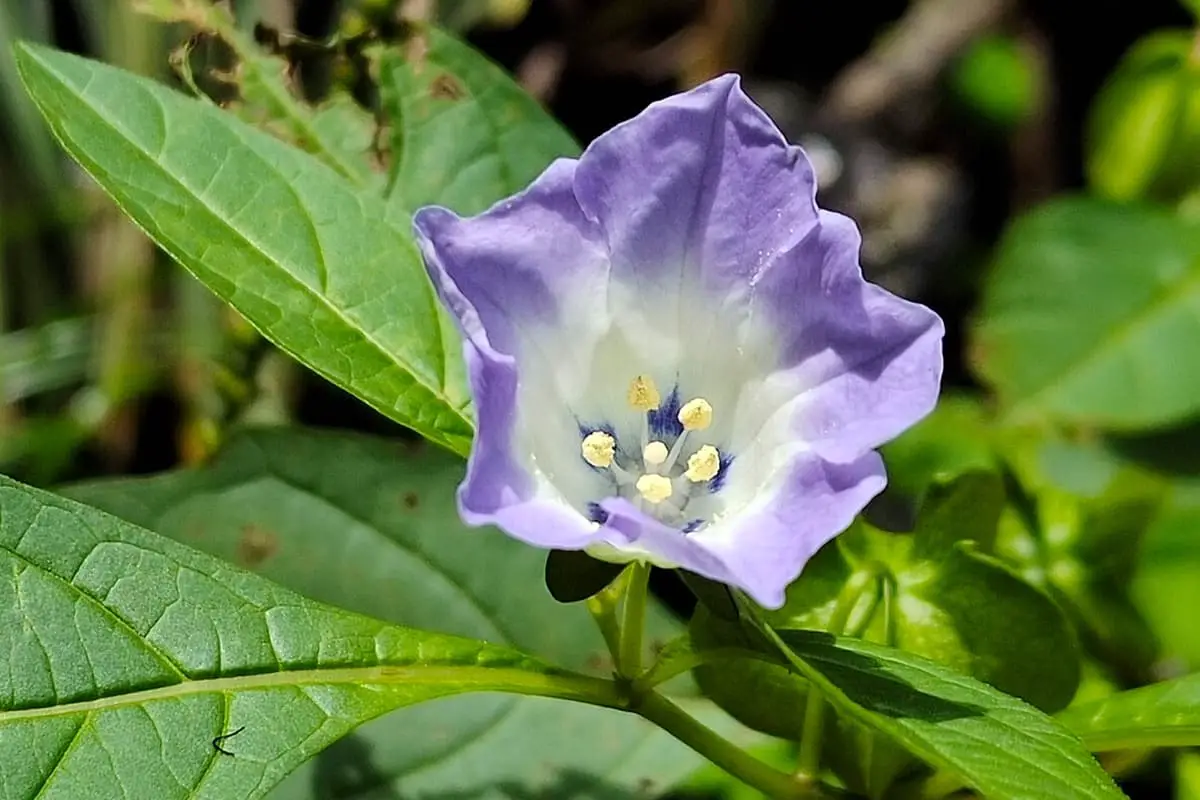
x: 133, y: 662
x: 379, y: 533
x: 1162, y: 715
x: 1001, y: 746
x: 270, y: 229
x: 1088, y: 317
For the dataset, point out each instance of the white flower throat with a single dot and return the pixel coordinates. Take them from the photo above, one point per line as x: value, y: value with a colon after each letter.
x: 661, y: 481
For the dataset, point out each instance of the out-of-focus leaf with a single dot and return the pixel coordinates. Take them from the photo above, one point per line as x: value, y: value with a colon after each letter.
x: 1165, y: 587
x: 132, y: 661
x: 1164, y: 714
x: 464, y: 134
x: 1187, y: 775
x: 1135, y: 118
x: 955, y: 438
x: 20, y: 120
x: 42, y: 359
x: 1076, y: 530
x: 1144, y: 131
x: 313, y: 265
x: 371, y: 525
x: 1089, y: 314
x: 994, y: 78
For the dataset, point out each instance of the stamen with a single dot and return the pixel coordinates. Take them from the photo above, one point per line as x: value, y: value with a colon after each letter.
x: 654, y: 488
x: 624, y: 477
x: 676, y: 449
x: 654, y: 454
x: 696, y: 414
x: 643, y: 394
x: 598, y: 449
x: 703, y: 464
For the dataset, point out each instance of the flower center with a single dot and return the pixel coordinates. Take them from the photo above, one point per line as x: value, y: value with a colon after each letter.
x: 662, y: 481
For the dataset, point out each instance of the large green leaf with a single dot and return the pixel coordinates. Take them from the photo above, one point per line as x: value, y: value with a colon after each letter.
x: 371, y: 525
x: 129, y: 656
x: 1089, y: 316
x: 315, y: 266
x: 1162, y: 715
x: 464, y: 134
x: 996, y: 743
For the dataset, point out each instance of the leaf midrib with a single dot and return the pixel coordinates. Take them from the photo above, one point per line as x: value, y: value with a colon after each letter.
x: 912, y: 738
x: 966, y: 734
x: 455, y: 679
x: 86, y: 102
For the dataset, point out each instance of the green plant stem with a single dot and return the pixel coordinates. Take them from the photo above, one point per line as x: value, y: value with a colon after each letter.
x: 808, y: 766
x: 603, y: 607
x: 737, y: 762
x: 676, y: 661
x: 633, y: 620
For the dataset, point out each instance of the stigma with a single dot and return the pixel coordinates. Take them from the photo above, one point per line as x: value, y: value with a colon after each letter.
x: 643, y: 395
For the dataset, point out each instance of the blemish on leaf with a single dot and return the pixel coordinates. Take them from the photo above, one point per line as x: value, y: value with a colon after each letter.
x: 597, y: 662
x: 224, y: 737
x: 411, y: 500
x: 413, y: 447
x: 256, y: 545
x: 446, y: 87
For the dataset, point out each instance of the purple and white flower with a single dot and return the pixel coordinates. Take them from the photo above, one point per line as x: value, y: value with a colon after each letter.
x: 672, y: 351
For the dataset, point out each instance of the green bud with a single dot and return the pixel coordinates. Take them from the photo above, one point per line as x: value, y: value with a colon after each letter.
x: 1143, y: 135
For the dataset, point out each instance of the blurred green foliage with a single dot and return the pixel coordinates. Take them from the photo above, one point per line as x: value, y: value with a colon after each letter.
x: 1069, y: 568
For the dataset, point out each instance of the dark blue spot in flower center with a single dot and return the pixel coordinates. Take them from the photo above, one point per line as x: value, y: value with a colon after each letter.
x: 718, y: 480
x: 664, y: 420
x: 693, y: 525
x: 597, y: 514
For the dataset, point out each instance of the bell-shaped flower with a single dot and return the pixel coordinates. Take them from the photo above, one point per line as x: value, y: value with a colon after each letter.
x: 672, y: 351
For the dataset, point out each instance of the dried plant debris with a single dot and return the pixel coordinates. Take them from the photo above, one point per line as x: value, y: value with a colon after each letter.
x: 267, y: 79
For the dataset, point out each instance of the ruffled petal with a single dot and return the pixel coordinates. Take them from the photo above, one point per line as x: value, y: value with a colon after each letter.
x: 807, y: 503
x: 699, y: 190
x: 532, y: 269
x: 861, y: 365
x: 520, y: 281
x: 630, y: 531
x: 500, y: 488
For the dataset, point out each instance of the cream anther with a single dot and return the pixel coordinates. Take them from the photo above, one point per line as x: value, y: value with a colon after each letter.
x: 654, y: 453
x: 654, y: 488
x: 598, y: 449
x: 643, y: 394
x: 696, y: 414
x: 703, y: 464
